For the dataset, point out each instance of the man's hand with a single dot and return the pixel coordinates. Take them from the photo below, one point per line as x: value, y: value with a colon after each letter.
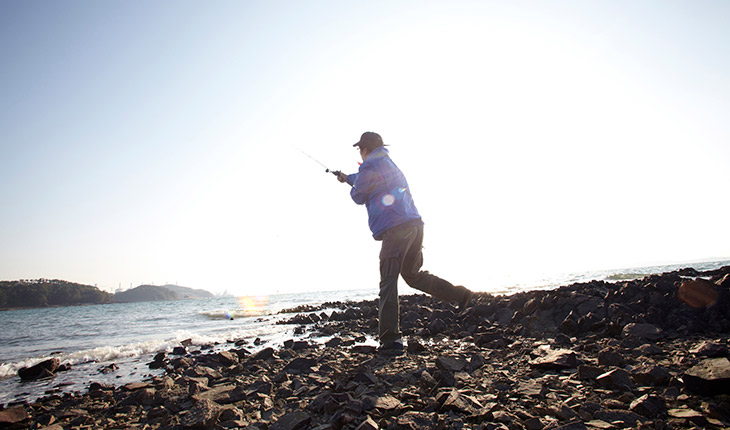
x: 341, y: 177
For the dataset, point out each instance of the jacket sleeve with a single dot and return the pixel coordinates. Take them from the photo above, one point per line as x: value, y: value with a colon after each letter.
x: 363, y: 183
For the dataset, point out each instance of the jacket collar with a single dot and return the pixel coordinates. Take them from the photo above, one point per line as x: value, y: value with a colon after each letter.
x: 379, y: 152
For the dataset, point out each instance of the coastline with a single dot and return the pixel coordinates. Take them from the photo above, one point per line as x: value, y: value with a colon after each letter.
x: 588, y: 355
x: 88, y: 304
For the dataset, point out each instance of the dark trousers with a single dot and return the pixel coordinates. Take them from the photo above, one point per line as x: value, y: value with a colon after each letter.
x: 401, y: 254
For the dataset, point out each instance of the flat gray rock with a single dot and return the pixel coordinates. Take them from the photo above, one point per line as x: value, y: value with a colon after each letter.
x: 709, y: 378
x: 616, y: 379
x: 710, y: 349
x: 556, y: 359
x: 642, y: 331
x: 292, y: 421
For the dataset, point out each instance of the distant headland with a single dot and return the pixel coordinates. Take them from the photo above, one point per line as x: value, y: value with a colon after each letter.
x: 40, y: 293
x: 153, y: 293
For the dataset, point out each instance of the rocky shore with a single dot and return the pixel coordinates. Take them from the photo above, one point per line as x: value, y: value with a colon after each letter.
x: 644, y: 354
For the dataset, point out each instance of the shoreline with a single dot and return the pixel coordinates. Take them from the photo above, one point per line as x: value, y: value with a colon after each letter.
x: 589, y: 355
x: 93, y: 304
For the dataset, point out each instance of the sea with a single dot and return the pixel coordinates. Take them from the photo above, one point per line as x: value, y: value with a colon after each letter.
x: 113, y: 343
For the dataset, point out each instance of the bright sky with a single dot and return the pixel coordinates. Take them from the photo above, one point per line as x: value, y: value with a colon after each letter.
x: 155, y: 142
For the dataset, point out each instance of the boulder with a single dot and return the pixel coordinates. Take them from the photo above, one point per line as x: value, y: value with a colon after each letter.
x: 709, y: 378
x: 555, y: 359
x: 689, y: 415
x: 698, y: 293
x: 610, y: 358
x: 203, y: 372
x: 476, y: 361
x: 41, y: 370
x: 437, y: 327
x: 415, y: 347
x: 415, y: 421
x: 303, y: 319
x: 649, y: 349
x: 14, y: 415
x: 202, y: 415
x: 264, y: 354
x: 504, y: 417
x: 710, y: 349
x: 453, y: 400
x: 616, y: 379
x: 649, y: 406
x: 178, y: 363
x: 134, y: 386
x: 226, y: 358
x: 651, y: 375
x: 231, y: 414
x: 220, y: 394
x: 642, y: 331
x: 600, y: 424
x: 159, y: 361
x: 262, y: 386
x: 387, y: 403
x: 365, y: 377
x: 534, y: 423
x: 333, y: 343
x: 110, y: 368
x: 296, y: 420
x: 145, y: 397
x: 590, y: 305
x: 504, y: 316
x: 588, y: 372
x: 452, y: 364
x: 531, y: 388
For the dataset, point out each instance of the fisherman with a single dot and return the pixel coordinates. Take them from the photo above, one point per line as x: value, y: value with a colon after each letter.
x: 393, y: 218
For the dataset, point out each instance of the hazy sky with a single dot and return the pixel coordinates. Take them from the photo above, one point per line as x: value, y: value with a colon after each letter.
x: 154, y: 142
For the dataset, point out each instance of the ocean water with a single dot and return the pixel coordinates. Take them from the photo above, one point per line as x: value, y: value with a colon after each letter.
x: 128, y: 335
x: 90, y: 338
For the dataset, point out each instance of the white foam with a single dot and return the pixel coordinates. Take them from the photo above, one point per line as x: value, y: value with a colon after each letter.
x: 263, y: 329
x: 100, y: 354
x: 109, y: 353
x: 226, y: 314
x: 11, y: 369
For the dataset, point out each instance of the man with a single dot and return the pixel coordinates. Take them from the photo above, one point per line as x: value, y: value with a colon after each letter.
x: 394, y: 220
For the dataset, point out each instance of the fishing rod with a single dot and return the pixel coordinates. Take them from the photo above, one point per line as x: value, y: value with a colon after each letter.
x: 326, y: 169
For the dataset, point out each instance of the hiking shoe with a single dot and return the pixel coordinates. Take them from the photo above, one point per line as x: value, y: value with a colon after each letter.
x: 464, y: 303
x: 392, y: 349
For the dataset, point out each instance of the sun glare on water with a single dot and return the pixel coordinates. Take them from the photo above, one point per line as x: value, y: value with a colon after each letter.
x: 253, y: 305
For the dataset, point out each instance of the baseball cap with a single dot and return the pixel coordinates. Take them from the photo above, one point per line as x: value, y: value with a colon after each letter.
x: 370, y: 140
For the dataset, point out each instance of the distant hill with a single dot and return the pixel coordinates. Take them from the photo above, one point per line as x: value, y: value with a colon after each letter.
x: 145, y: 293
x: 153, y: 293
x: 189, y: 293
x: 41, y: 293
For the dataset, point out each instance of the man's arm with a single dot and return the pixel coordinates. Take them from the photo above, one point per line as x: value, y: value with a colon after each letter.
x: 363, y: 183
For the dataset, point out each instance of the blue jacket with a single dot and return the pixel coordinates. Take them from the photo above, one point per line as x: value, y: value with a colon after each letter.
x: 382, y: 188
